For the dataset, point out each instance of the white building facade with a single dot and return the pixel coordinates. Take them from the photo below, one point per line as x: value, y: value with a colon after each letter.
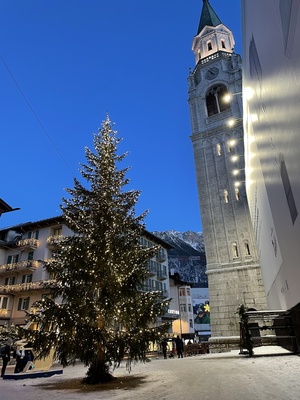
x: 271, y: 72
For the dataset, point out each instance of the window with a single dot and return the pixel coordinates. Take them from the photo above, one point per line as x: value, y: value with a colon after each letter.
x: 219, y: 150
x: 235, y: 250
x: 237, y: 194
x: 215, y: 102
x: 226, y: 196
x: 255, y: 66
x: 191, y: 323
x: 223, y: 44
x: 57, y: 231
x: 183, y: 307
x: 13, y: 259
x: 23, y: 303
x: 190, y: 307
x: 288, y: 191
x: 247, y: 248
x: 10, y: 281
x: 181, y: 292
x: 288, y: 11
x: 3, y: 302
x: 209, y: 46
x: 33, y: 235
x: 30, y: 255
x: 27, y: 278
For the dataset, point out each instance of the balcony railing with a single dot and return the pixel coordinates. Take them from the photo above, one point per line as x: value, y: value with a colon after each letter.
x: 26, y: 287
x: 152, y: 267
x: 5, y: 314
x: 53, y: 241
x: 161, y: 255
x: 30, y: 243
x: 162, y: 273
x: 30, y: 265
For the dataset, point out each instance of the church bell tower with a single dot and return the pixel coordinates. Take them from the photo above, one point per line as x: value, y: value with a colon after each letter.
x: 234, y: 275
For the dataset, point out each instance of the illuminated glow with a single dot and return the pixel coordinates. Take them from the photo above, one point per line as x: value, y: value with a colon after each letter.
x: 227, y: 98
x: 248, y: 93
x: 235, y: 172
x: 231, y: 122
x: 234, y: 158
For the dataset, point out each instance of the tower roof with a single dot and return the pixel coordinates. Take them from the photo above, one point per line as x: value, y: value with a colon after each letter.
x: 208, y: 17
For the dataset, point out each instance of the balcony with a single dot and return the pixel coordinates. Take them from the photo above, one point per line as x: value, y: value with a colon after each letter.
x: 26, y: 287
x: 5, y: 314
x: 152, y: 268
x: 53, y: 241
x: 29, y: 244
x: 29, y: 265
x: 162, y: 273
x: 161, y: 255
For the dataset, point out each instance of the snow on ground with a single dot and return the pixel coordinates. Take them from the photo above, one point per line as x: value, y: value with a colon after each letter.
x: 271, y: 374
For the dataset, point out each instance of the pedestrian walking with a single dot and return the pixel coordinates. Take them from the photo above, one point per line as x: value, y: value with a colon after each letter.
x: 164, y: 346
x: 179, y: 347
x: 5, y: 355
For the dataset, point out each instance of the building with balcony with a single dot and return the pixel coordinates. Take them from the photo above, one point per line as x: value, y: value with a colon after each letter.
x: 23, y: 278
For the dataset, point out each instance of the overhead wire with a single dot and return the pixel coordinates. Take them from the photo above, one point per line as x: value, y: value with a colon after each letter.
x: 36, y: 117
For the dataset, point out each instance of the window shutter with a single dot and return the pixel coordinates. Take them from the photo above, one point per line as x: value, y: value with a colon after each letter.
x: 20, y: 304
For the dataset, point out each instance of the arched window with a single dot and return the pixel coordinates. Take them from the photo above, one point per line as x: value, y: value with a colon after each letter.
x: 215, y: 102
x: 247, y: 248
x: 226, y: 196
x: 209, y: 46
x: 223, y: 44
x: 219, y: 150
x: 235, y: 250
x: 237, y: 193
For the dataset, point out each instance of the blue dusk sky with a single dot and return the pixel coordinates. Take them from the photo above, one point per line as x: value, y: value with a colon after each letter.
x: 65, y: 64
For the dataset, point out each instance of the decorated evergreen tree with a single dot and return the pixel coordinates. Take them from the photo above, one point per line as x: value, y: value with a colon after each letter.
x: 96, y: 311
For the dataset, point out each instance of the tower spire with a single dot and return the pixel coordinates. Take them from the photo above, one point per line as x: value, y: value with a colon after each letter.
x: 208, y: 17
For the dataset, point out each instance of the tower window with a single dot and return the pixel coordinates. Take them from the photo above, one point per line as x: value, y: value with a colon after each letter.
x: 219, y: 150
x: 209, y: 46
x: 215, y: 102
x: 235, y: 250
x: 288, y: 191
x: 237, y: 193
x: 247, y: 248
x: 223, y: 44
x: 226, y: 196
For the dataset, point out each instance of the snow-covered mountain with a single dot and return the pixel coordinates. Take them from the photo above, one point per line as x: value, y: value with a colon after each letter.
x: 187, y: 256
x: 183, y: 240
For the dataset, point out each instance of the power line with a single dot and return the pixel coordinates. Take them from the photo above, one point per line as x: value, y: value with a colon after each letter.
x: 36, y: 117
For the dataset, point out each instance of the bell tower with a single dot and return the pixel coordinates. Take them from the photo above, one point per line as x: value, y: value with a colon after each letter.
x: 234, y: 275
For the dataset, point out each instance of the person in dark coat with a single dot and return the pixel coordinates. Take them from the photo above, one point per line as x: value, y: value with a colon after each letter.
x: 5, y: 358
x: 20, y: 355
x: 164, y: 346
x: 179, y: 347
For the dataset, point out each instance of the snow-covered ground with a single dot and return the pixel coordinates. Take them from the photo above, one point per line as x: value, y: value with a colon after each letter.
x: 272, y: 373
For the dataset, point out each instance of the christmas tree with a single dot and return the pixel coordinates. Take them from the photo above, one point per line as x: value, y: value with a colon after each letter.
x: 97, y: 311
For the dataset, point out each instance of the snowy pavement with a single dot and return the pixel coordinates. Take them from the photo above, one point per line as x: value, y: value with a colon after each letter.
x: 272, y: 373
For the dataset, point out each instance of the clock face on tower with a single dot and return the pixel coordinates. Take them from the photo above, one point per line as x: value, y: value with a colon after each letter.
x: 211, y: 73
